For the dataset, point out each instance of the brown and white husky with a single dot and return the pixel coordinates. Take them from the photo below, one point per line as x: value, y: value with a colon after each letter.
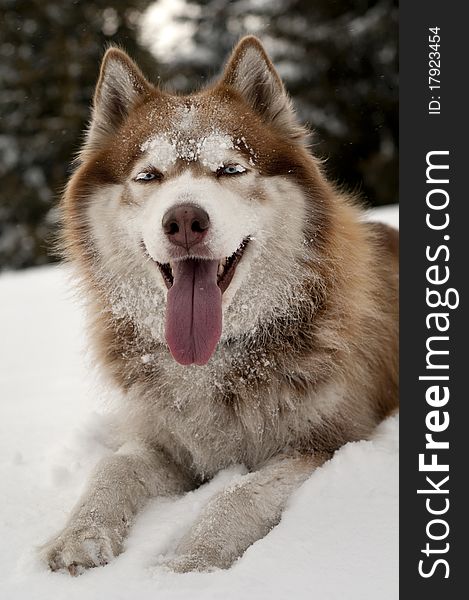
x: 243, y: 306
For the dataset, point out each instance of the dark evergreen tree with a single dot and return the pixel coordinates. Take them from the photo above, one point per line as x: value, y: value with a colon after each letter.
x: 50, y: 51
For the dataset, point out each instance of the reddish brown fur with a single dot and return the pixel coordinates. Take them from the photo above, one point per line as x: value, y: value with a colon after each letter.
x: 348, y: 333
x: 314, y: 368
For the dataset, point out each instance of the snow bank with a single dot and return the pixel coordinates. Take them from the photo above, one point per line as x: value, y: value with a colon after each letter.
x: 337, y: 539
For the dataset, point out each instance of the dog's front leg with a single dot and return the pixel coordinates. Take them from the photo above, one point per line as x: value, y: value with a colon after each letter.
x: 241, y: 514
x: 118, y: 488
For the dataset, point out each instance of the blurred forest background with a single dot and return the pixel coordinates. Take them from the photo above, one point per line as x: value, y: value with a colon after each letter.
x: 337, y: 57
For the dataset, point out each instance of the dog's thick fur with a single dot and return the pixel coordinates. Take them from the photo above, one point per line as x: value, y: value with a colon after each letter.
x: 307, y: 358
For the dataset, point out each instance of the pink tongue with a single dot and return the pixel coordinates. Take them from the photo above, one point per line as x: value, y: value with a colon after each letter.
x: 193, y: 312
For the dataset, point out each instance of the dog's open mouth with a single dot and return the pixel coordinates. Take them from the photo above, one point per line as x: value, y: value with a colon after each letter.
x: 225, y: 272
x: 194, y: 304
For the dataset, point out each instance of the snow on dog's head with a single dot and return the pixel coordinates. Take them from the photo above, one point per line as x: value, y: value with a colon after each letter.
x: 192, y: 214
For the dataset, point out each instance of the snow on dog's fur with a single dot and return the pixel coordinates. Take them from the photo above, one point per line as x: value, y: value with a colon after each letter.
x: 241, y: 303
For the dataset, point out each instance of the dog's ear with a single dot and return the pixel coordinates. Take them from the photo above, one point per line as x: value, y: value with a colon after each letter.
x: 251, y: 73
x: 120, y: 85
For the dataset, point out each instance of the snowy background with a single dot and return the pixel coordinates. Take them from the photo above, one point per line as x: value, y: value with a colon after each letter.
x: 337, y: 539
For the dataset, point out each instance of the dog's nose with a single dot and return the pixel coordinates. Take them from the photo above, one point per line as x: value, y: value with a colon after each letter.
x: 185, y: 225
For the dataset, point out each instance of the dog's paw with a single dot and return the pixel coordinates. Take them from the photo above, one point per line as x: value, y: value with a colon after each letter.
x: 187, y: 563
x: 200, y: 559
x: 79, y: 548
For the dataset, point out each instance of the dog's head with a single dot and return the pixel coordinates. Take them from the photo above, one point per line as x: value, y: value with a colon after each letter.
x: 193, y: 209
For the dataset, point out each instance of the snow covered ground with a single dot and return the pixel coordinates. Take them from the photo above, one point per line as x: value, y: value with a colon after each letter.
x: 337, y: 539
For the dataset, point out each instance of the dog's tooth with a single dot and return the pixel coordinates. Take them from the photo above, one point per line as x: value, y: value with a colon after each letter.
x: 221, y: 268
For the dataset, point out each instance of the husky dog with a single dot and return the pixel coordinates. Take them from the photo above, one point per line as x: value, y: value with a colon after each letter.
x: 242, y: 305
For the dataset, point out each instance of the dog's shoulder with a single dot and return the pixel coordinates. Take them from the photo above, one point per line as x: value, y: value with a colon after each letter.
x: 387, y: 237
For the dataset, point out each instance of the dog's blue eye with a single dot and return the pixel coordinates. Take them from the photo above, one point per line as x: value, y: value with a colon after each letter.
x: 231, y: 170
x: 147, y: 176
